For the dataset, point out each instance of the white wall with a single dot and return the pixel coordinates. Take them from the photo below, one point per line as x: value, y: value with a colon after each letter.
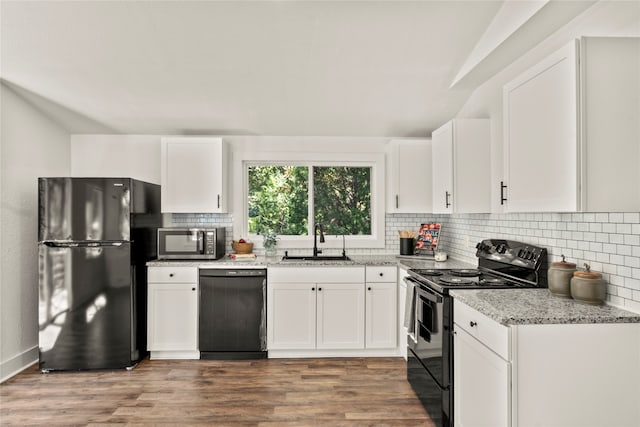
x: 116, y: 156
x: 32, y: 145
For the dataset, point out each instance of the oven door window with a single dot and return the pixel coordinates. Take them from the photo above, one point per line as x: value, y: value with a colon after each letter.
x: 429, y: 334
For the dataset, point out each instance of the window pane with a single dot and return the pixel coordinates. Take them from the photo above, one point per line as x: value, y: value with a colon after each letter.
x: 278, y: 199
x: 342, y: 199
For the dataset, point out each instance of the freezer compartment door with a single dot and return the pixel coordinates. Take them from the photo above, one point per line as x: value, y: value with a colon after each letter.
x: 79, y: 209
x: 86, y: 316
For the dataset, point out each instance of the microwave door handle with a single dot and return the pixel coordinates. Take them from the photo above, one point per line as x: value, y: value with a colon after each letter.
x: 200, y: 242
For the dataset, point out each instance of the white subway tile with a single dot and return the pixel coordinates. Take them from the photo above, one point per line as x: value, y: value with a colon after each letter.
x: 632, y: 283
x: 602, y: 217
x: 624, y: 271
x: 616, y: 238
x: 631, y: 217
x: 608, y: 228
x: 623, y: 228
x: 616, y: 259
x: 631, y: 261
x: 631, y: 239
x: 623, y: 250
x: 616, y: 217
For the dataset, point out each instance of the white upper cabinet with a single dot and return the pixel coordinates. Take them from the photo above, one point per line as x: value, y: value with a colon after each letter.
x: 571, y: 134
x: 194, y: 174
x: 462, y: 166
x: 409, y: 176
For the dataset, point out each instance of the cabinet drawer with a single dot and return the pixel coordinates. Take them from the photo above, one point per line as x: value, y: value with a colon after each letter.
x: 381, y: 274
x: 316, y: 275
x: 172, y: 274
x: 487, y: 331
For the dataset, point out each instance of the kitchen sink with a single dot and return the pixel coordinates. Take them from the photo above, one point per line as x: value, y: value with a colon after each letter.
x: 316, y: 258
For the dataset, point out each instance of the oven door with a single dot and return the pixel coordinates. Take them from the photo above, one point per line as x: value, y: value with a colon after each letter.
x: 431, y: 345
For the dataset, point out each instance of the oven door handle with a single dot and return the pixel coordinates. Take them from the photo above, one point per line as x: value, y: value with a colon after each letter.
x: 422, y: 291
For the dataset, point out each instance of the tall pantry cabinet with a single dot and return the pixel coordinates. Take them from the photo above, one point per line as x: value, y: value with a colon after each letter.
x: 571, y: 133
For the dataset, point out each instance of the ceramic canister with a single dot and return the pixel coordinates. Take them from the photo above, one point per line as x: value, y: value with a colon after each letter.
x: 588, y: 287
x: 559, y: 278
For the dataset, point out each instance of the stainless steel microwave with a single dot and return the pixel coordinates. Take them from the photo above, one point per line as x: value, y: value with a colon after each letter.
x: 191, y: 243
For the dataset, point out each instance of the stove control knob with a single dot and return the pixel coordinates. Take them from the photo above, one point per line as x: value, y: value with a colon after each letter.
x: 502, y: 248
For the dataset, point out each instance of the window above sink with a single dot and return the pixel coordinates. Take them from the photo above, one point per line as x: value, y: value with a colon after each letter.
x: 291, y: 192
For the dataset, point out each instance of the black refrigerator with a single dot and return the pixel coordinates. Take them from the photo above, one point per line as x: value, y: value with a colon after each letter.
x: 95, y: 236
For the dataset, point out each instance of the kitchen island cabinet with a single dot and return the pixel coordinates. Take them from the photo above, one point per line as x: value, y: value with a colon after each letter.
x: 560, y: 367
x: 461, y: 164
x: 172, y: 313
x: 570, y: 130
x: 194, y: 174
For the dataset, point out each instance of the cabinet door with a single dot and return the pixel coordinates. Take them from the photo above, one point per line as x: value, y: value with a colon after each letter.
x: 380, y: 315
x: 481, y: 384
x: 410, y: 177
x: 291, y: 316
x: 541, y: 136
x: 193, y: 174
x: 172, y: 317
x: 340, y: 315
x: 442, y: 168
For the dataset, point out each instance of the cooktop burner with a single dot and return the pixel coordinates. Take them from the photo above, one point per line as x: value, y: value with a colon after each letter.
x: 455, y: 280
x: 429, y: 272
x: 465, y: 273
x: 492, y: 281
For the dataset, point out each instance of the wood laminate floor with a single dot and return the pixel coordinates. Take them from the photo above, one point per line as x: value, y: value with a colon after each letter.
x: 273, y: 392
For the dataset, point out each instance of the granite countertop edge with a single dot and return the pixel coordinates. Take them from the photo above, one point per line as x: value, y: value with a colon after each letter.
x: 356, y: 260
x: 538, y: 307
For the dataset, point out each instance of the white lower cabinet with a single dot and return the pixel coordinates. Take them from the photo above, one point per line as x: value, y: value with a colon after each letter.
x: 172, y: 313
x: 340, y: 316
x: 329, y: 311
x: 481, y: 384
x: 381, y: 322
x: 291, y: 315
x: 563, y: 375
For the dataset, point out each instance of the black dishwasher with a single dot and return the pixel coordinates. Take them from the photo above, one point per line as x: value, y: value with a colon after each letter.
x: 232, y: 318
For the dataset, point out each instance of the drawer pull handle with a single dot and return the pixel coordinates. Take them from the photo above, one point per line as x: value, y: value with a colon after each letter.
x: 472, y: 323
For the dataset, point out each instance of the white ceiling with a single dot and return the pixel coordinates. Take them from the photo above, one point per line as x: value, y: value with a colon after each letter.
x: 348, y: 68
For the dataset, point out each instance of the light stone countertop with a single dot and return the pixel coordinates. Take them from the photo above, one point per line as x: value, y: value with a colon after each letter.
x: 356, y: 260
x: 537, y: 307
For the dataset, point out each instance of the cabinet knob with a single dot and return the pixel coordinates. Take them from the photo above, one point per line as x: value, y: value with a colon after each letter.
x: 193, y: 289
x: 369, y: 288
x: 472, y: 323
x: 381, y: 274
x: 170, y: 274
x: 313, y: 289
x: 319, y: 289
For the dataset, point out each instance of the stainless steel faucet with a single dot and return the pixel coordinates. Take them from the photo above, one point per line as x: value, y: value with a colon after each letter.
x: 317, y: 227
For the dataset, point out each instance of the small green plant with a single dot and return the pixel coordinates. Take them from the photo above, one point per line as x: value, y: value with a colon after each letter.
x: 269, y: 239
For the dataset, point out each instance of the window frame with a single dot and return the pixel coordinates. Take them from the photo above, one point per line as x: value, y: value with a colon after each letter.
x: 376, y: 161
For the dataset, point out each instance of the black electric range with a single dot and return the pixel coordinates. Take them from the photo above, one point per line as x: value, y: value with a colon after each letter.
x: 502, y: 264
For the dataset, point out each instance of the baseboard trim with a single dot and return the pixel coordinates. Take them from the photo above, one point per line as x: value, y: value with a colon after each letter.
x: 18, y: 363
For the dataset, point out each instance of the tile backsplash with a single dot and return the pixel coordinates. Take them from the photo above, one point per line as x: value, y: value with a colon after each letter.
x: 609, y: 242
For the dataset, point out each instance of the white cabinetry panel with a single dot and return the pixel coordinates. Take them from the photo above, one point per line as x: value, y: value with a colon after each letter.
x: 194, y: 173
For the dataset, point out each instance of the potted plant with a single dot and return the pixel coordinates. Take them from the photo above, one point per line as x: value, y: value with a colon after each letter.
x: 269, y: 241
